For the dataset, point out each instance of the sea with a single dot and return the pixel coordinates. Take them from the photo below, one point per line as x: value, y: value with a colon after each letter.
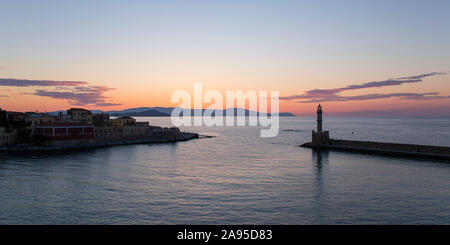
x: 236, y: 177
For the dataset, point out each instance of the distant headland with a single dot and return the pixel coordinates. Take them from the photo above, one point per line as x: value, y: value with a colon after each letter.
x: 167, y: 111
x: 78, y: 128
x: 321, y: 140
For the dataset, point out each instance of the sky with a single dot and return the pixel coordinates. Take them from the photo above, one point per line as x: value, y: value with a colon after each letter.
x: 355, y: 57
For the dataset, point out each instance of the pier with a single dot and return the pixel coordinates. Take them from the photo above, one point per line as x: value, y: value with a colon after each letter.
x: 321, y: 140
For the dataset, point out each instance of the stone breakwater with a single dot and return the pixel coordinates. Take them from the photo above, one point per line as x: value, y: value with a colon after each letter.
x: 100, y: 142
x: 391, y: 149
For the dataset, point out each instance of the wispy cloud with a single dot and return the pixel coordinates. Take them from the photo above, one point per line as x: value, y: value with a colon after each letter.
x: 106, y: 104
x: 30, y: 83
x: 405, y: 96
x: 328, y: 95
x: 75, y: 92
x: 93, y: 95
x: 443, y: 111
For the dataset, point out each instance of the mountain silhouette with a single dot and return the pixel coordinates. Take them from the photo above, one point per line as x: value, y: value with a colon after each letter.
x: 167, y: 111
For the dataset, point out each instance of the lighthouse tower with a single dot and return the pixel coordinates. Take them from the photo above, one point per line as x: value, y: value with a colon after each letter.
x: 319, y: 119
x: 320, y: 137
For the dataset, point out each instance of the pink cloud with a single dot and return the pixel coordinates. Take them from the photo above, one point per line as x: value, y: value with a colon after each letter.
x: 329, y: 95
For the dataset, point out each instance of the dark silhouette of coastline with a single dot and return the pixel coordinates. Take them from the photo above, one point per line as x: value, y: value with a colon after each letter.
x: 167, y: 111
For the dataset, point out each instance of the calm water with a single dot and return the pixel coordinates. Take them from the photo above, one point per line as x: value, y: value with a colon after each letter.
x: 235, y: 178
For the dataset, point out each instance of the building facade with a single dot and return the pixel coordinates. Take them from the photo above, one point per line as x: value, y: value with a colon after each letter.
x: 64, y: 130
x: 3, y: 117
x: 77, y: 123
x: 14, y: 116
x: 127, y: 121
x: 34, y: 119
x: 136, y: 129
x: 7, y: 137
x: 80, y: 115
x: 116, y: 122
x: 108, y: 131
x: 101, y: 119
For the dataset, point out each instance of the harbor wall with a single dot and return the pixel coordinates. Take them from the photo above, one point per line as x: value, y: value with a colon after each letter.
x: 383, y: 148
x: 100, y: 142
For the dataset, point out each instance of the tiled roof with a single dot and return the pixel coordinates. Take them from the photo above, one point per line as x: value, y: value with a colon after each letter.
x: 77, y: 109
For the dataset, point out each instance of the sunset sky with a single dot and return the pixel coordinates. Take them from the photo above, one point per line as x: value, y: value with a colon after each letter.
x: 354, y: 57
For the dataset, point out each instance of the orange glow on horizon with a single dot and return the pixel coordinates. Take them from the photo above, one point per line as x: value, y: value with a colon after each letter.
x: 159, y: 94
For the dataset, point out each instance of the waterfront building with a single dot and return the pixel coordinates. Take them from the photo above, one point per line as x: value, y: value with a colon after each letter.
x: 77, y: 124
x: 3, y: 117
x: 123, y: 121
x: 108, y: 131
x: 101, y: 119
x: 7, y: 137
x: 62, y: 117
x: 80, y: 115
x: 116, y: 122
x: 14, y: 116
x: 33, y: 119
x: 64, y: 130
x: 127, y: 121
x: 118, y: 129
x: 136, y: 129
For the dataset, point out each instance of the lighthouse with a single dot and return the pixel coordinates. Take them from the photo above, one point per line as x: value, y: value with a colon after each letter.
x: 320, y: 137
x: 319, y: 119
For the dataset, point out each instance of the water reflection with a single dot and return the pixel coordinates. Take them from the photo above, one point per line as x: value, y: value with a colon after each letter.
x: 235, y: 178
x: 320, y: 160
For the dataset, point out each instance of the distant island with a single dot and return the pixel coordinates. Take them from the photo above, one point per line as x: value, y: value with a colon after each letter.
x: 167, y: 111
x: 147, y: 113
